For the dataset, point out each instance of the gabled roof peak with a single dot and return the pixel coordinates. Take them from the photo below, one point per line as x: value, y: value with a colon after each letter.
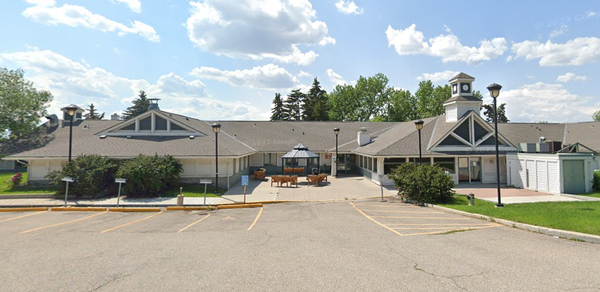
x: 461, y: 76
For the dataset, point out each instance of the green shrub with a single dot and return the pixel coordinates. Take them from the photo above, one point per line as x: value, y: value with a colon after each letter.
x: 93, y: 175
x: 423, y: 184
x: 149, y: 176
x: 596, y: 181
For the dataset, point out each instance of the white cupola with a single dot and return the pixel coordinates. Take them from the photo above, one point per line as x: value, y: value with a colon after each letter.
x: 462, y: 100
x: 74, y: 110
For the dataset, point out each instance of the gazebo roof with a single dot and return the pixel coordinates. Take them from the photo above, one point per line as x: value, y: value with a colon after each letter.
x: 300, y: 151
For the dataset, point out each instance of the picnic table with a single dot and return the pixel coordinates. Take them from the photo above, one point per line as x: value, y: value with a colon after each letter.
x: 284, y: 179
x: 317, y: 179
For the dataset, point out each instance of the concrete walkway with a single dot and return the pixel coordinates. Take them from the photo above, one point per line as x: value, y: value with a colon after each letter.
x: 509, y: 195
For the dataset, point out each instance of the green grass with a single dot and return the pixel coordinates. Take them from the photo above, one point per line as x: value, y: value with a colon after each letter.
x: 22, y: 189
x: 192, y: 190
x: 573, y: 216
x: 595, y: 195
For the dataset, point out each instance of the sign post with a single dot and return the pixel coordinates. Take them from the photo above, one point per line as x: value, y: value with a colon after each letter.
x: 381, y: 185
x: 120, y: 181
x: 67, y: 180
x: 205, y: 182
x: 245, y: 184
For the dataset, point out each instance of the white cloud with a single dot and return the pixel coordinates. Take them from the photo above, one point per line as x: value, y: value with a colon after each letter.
x: 568, y: 77
x: 544, y: 102
x: 269, y: 76
x: 559, y: 31
x: 410, y: 41
x: 134, y: 5
x: 335, y: 78
x: 47, y: 13
x: 348, y: 7
x: 74, y: 82
x: 257, y: 30
x: 304, y: 74
x: 438, y: 76
x: 576, y: 52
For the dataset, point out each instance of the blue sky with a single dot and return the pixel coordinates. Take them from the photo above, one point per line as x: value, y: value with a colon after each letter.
x: 225, y: 60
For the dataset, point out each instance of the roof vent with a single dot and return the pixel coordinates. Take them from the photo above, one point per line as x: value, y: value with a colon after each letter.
x: 191, y: 137
x: 52, y: 120
x: 129, y: 137
x: 542, y: 139
x: 153, y: 104
x: 363, y: 129
x: 102, y: 136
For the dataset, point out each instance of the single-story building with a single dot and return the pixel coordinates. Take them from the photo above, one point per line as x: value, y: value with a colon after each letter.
x: 460, y: 141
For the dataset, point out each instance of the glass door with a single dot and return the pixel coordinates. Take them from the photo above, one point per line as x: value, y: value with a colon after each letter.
x: 463, y: 169
x: 475, y: 169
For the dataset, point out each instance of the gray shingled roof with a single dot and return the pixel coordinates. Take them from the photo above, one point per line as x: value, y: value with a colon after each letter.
x: 462, y: 75
x: 300, y: 151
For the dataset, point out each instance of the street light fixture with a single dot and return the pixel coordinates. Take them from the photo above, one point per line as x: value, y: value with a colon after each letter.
x: 419, y: 126
x: 216, y: 128
x: 337, y: 132
x: 71, y: 110
x: 495, y: 92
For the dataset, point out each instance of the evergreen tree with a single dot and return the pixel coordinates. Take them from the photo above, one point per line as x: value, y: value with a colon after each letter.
x: 314, y: 106
x: 140, y: 106
x: 92, y: 114
x: 293, y: 110
x: 277, y: 113
x: 488, y: 112
x: 596, y: 116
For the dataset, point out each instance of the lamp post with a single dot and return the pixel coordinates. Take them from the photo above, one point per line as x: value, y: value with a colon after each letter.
x: 71, y: 109
x: 216, y: 128
x: 494, y: 92
x: 337, y: 132
x: 419, y: 126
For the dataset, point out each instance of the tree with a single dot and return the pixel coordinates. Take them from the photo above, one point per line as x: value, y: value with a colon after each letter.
x: 314, y: 105
x: 596, y: 116
x: 140, y: 106
x: 292, y: 106
x: 21, y: 105
x: 430, y: 100
x: 362, y: 102
x: 402, y: 107
x: 277, y: 111
x: 92, y: 115
x: 488, y: 112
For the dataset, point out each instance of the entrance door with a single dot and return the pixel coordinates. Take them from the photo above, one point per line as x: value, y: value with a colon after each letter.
x: 463, y: 169
x: 475, y: 169
x: 469, y: 169
x: 573, y: 176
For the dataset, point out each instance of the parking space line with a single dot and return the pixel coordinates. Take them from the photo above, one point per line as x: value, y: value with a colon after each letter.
x: 377, y: 222
x: 437, y: 228
x: 62, y: 223
x: 417, y: 217
x: 197, y: 221
x: 15, y: 218
x: 416, y: 212
x: 461, y: 229
x: 132, y: 222
x: 255, y: 220
x: 440, y: 224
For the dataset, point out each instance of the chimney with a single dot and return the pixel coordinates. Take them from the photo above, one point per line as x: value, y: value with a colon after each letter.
x: 115, y: 117
x: 153, y: 104
x: 363, y: 137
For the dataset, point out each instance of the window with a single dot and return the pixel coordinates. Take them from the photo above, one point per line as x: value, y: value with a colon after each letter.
x: 130, y: 127
x: 160, y: 124
x: 390, y: 164
x: 175, y: 127
x: 146, y: 124
x: 446, y: 163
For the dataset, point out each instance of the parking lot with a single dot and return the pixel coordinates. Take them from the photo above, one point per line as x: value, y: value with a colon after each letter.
x: 329, y: 246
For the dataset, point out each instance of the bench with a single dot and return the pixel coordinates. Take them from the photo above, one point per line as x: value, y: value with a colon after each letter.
x: 284, y: 179
x: 317, y: 179
x: 293, y: 170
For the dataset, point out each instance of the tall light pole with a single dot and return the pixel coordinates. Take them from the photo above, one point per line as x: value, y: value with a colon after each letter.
x: 495, y: 92
x: 216, y: 128
x: 337, y: 132
x: 71, y: 110
x: 419, y: 126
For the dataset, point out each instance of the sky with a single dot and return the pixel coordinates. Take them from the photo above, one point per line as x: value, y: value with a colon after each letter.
x: 225, y: 60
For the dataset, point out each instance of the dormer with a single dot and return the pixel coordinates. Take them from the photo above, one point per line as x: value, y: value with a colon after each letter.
x: 462, y: 100
x: 153, y: 123
x: 75, y: 110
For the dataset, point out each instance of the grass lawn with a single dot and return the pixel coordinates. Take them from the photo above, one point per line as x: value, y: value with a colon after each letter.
x: 595, y: 195
x: 24, y: 189
x: 581, y: 217
x: 193, y: 190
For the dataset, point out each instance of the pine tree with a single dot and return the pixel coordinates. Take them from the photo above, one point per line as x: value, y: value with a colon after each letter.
x: 140, y: 106
x: 292, y: 105
x: 92, y: 115
x: 277, y: 111
x: 316, y: 105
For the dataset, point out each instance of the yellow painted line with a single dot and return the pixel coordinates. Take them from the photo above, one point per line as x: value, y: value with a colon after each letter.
x: 15, y: 218
x: 417, y: 217
x: 198, y: 221
x: 416, y: 212
x: 255, y: 220
x: 82, y: 209
x: 236, y: 206
x: 63, y: 223
x: 24, y: 209
x: 368, y: 217
x: 189, y: 208
x: 121, y: 209
x: 439, y: 232
x: 132, y: 222
x: 386, y: 206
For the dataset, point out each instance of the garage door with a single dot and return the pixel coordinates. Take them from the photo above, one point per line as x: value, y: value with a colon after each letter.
x: 573, y: 176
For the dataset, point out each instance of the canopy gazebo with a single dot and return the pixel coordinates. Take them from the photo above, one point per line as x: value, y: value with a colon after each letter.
x: 300, y: 152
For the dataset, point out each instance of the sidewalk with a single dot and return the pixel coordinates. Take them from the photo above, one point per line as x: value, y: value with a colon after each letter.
x: 509, y: 195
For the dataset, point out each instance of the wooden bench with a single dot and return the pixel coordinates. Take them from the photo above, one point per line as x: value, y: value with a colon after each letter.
x: 293, y: 170
x: 317, y: 179
x: 259, y: 174
x: 276, y: 179
x: 284, y: 179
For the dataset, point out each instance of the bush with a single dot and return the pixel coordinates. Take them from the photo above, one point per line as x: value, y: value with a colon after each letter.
x: 14, y: 180
x: 93, y: 174
x: 149, y: 176
x: 423, y: 184
x: 596, y: 181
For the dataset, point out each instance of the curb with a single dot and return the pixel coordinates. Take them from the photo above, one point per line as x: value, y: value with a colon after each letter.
x: 189, y: 208
x: 23, y: 209
x: 30, y: 196
x: 572, y: 235
x: 238, y: 206
x: 125, y: 209
x: 83, y: 209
